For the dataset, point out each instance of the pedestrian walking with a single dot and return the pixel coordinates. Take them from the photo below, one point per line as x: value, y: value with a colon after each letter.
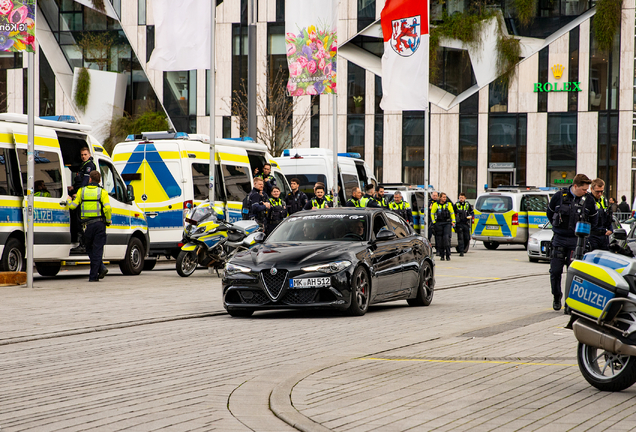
x: 95, y: 216
x: 296, y: 199
x: 443, y: 217
x: 464, y: 219
x: 568, y: 207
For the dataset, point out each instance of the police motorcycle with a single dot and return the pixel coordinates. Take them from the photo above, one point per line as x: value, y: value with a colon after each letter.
x: 600, y: 296
x: 210, y: 241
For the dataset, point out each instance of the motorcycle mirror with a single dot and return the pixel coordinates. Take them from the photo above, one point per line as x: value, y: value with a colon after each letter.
x: 259, y: 237
x: 620, y: 234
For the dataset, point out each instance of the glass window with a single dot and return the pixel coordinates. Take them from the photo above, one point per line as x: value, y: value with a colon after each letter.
x: 470, y: 105
x: 468, y: 155
x: 150, y: 41
x: 498, y: 96
x: 398, y: 225
x: 534, y: 203
x: 413, y: 147
x: 378, y: 132
x: 608, y: 150
x: 493, y: 204
x: 47, y: 170
x: 237, y: 182
x: 453, y: 71
x: 3, y: 90
x: 239, y: 68
x: 604, y: 68
x: 350, y: 181
x: 281, y: 183
x: 9, y: 174
x: 355, y: 134
x: 356, y: 83
x: 507, y: 142
x: 366, y: 13
x: 562, y: 139
x: 141, y: 12
x: 179, y: 98
x: 542, y: 97
x: 573, y: 70
x: 314, y: 136
x: 9, y: 60
x: 307, y: 182
x: 112, y: 183
x: 47, y: 87
x: 200, y: 179
x: 227, y: 124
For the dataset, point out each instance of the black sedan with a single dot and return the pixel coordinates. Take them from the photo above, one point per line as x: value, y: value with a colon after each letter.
x: 341, y: 258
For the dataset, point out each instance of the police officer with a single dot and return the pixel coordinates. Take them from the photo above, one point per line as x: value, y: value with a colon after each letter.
x: 95, y: 216
x: 357, y: 200
x: 296, y: 199
x: 81, y: 179
x: 379, y: 198
x: 566, y: 208
x: 258, y: 202
x: 599, y: 235
x: 319, y: 201
x: 41, y: 190
x: 277, y: 211
x: 431, y: 228
x: 369, y: 196
x: 269, y: 179
x: 464, y: 216
x: 402, y: 208
x: 443, y: 217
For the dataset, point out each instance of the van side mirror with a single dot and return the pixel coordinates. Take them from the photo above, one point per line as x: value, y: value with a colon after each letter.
x: 130, y: 191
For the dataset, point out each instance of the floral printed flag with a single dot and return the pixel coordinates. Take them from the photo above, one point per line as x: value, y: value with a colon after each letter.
x: 312, y: 46
x: 17, y: 25
x: 405, y: 58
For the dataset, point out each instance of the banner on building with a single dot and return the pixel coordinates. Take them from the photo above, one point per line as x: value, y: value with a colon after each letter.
x: 182, y: 35
x: 17, y: 25
x: 312, y: 46
x: 405, y: 61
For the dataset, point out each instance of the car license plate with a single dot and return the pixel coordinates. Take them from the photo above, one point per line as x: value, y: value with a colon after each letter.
x: 310, y: 282
x: 492, y: 227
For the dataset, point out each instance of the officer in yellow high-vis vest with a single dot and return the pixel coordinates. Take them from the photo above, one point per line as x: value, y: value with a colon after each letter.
x: 95, y: 215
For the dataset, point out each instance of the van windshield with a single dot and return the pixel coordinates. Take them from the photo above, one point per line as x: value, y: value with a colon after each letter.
x: 493, y: 204
x: 307, y: 182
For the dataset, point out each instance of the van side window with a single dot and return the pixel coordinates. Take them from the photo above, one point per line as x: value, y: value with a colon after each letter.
x: 535, y: 203
x: 47, y: 169
x: 237, y: 182
x: 111, y: 182
x: 350, y: 181
x: 282, y: 184
x: 200, y: 179
x: 9, y: 173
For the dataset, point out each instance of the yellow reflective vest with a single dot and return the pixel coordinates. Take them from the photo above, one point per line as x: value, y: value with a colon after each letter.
x: 93, y: 202
x: 442, y: 213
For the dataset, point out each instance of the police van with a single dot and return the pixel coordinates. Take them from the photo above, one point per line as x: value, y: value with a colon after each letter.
x: 509, y: 214
x: 169, y: 173
x: 312, y: 165
x: 57, y: 157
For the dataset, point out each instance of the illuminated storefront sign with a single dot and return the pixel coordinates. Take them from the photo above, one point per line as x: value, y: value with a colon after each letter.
x: 557, y: 71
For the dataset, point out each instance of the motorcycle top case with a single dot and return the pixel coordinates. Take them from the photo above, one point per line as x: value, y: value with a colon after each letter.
x: 594, y: 281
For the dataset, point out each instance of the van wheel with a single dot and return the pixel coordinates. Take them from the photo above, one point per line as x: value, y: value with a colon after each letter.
x: 13, y: 256
x: 491, y: 245
x: 48, y: 269
x: 133, y: 264
x: 149, y: 264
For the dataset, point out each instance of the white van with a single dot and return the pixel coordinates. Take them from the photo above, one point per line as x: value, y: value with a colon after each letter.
x: 57, y: 156
x: 169, y: 173
x: 316, y: 165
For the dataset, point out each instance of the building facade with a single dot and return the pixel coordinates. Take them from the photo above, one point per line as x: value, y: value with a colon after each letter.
x: 531, y: 130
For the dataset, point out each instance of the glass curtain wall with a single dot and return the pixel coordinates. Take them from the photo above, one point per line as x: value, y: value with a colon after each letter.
x: 507, y: 139
x: 413, y: 147
x: 542, y: 97
x: 278, y: 75
x: 180, y: 99
x: 454, y: 71
x: 378, y: 132
x: 47, y: 87
x: 573, y: 69
x: 366, y: 13
x: 468, y: 137
x: 604, y: 69
x: 314, y: 134
x: 239, y: 70
x: 549, y: 16
x: 608, y: 150
x: 7, y: 61
x: 562, y: 139
x: 498, y: 96
x: 356, y: 85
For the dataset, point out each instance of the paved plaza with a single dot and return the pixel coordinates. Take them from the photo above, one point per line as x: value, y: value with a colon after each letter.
x: 158, y: 352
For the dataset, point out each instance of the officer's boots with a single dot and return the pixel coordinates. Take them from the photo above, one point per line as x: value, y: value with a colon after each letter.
x: 556, y: 305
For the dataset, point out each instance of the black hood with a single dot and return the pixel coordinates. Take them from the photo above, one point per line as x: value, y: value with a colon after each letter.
x: 291, y: 255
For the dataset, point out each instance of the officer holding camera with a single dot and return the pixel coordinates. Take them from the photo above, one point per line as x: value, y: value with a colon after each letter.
x: 566, y: 208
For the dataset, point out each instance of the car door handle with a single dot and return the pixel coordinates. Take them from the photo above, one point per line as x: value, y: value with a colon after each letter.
x: 63, y: 203
x: 152, y: 214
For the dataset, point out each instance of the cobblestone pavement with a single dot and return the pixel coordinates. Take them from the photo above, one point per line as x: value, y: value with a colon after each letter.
x: 156, y: 352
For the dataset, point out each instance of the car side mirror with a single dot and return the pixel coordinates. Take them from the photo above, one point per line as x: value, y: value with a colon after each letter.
x: 620, y: 234
x: 131, y: 193
x: 384, y: 235
x: 252, y: 239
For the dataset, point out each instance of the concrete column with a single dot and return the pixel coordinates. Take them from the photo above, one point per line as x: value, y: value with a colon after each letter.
x: 536, y: 160
x: 434, y: 147
x: 587, y: 145
x: 624, y: 168
x: 558, y: 57
x: 528, y: 73
x: 369, y: 118
x: 482, y: 140
x: 449, y: 153
x: 392, y: 152
x: 584, y: 68
x: 626, y: 74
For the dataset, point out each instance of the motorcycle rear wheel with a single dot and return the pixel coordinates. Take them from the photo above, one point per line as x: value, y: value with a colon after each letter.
x: 186, y: 263
x: 604, y: 370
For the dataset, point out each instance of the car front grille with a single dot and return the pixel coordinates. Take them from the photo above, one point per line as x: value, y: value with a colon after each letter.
x: 253, y: 297
x: 274, y: 282
x: 300, y: 296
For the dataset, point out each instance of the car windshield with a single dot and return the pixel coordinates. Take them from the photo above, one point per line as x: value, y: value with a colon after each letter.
x: 321, y: 227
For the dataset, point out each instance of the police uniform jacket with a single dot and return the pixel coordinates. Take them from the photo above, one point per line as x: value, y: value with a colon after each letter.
x: 83, y: 176
x: 566, y: 209
x: 604, y: 222
x: 403, y: 209
x: 94, y: 204
x: 258, y: 210
x: 382, y: 202
x: 278, y: 210
x: 371, y: 202
x: 442, y: 213
x: 295, y: 201
x: 269, y: 181
x: 318, y: 203
x: 462, y: 211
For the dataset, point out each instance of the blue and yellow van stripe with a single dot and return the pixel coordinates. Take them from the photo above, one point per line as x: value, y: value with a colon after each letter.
x: 503, y: 220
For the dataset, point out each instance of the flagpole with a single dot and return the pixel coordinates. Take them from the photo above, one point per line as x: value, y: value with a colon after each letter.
x: 334, y: 98
x: 211, y: 101
x: 30, y: 165
x: 426, y: 170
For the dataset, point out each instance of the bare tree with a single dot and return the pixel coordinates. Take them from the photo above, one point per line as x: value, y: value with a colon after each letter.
x: 96, y: 48
x: 277, y: 125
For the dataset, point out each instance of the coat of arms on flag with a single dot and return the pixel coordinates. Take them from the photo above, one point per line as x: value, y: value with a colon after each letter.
x: 405, y: 39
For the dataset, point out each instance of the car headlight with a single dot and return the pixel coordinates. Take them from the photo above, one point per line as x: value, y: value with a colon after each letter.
x: 334, y: 267
x: 231, y: 269
x: 533, y: 241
